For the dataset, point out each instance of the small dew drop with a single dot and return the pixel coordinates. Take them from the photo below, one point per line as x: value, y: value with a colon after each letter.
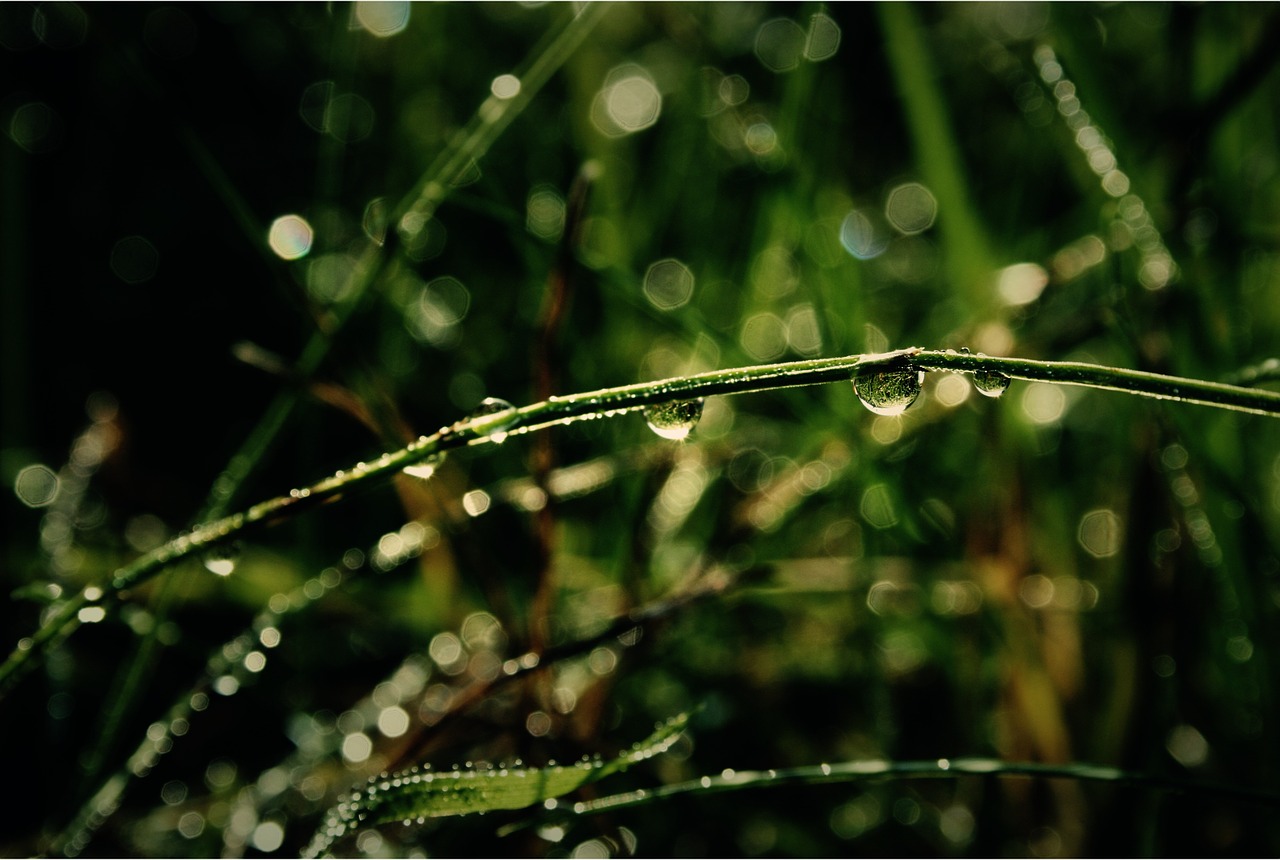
x: 888, y: 392
x: 424, y: 469
x: 989, y: 383
x: 674, y: 420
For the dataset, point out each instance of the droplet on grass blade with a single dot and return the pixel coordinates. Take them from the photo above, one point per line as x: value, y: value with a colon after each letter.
x: 888, y: 391
x: 221, y: 560
x: 674, y: 420
x: 424, y: 469
x: 492, y: 417
x: 990, y: 383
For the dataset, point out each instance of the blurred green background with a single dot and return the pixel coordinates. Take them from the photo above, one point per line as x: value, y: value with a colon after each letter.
x: 1056, y: 576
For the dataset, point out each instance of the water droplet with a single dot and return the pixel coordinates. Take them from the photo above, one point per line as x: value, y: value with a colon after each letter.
x: 492, y: 418
x: 424, y: 469
x: 990, y: 383
x: 888, y: 391
x: 674, y: 420
x: 221, y: 560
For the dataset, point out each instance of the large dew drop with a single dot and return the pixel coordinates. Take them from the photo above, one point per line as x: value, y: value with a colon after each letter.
x: 424, y: 469
x: 990, y: 383
x: 221, y: 560
x: 492, y: 417
x: 674, y: 420
x: 888, y: 391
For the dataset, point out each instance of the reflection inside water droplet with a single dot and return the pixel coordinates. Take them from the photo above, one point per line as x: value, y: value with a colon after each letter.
x: 990, y: 383
x: 424, y: 469
x: 674, y: 420
x: 492, y: 418
x: 888, y: 391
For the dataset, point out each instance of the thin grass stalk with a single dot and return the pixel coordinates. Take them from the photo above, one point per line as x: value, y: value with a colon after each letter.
x: 878, y: 771
x: 610, y: 402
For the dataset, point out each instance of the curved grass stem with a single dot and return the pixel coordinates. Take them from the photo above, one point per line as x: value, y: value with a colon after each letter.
x: 875, y: 770
x: 605, y: 403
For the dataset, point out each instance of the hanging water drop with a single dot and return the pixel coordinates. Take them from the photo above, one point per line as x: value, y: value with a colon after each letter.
x: 424, y: 469
x: 888, y: 391
x: 990, y: 383
x: 221, y: 560
x: 674, y: 420
x: 492, y: 418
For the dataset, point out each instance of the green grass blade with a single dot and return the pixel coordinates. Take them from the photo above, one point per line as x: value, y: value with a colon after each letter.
x: 879, y: 770
x: 417, y: 795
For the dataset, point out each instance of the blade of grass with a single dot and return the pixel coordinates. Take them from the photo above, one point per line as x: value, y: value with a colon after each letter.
x: 964, y: 241
x: 875, y: 771
x: 611, y: 402
x: 418, y: 795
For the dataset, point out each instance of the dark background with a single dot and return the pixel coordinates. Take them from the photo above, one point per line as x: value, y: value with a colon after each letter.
x: 187, y: 126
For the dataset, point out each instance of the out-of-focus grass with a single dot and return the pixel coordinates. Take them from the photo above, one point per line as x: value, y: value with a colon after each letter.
x: 1046, y: 577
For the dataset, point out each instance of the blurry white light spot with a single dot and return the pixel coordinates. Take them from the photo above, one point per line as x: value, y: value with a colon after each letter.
x: 476, y: 502
x: 91, y: 614
x: 1036, y: 591
x: 911, y: 208
x: 134, y: 260
x: 668, y: 284
x: 36, y: 486
x: 393, y: 721
x: 226, y: 685
x: 1043, y: 402
x: 1115, y: 183
x: 191, y: 825
x: 382, y: 18
x: 592, y: 849
x: 761, y: 139
x: 329, y: 276
x: 1021, y: 283
x: 803, y: 332
x: 538, y: 724
x: 290, y: 237
x: 357, y: 747
x: 764, y: 337
x: 733, y: 90
x: 255, y: 661
x: 952, y: 390
x: 505, y: 86
x: 823, y: 38
x: 628, y: 102
x: 268, y: 836
x: 445, y: 649
x: 1156, y: 272
x: 877, y: 507
x: 634, y: 103
x: 1188, y: 746
x: 780, y: 44
x: 858, y: 236
x: 544, y: 214
x: 1100, y: 533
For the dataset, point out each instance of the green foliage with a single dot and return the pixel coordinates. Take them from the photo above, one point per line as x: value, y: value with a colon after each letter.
x: 295, y: 264
x: 420, y: 795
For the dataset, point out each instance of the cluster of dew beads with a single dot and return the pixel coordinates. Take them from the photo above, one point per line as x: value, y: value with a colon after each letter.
x: 674, y: 420
x: 990, y: 383
x: 888, y: 391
